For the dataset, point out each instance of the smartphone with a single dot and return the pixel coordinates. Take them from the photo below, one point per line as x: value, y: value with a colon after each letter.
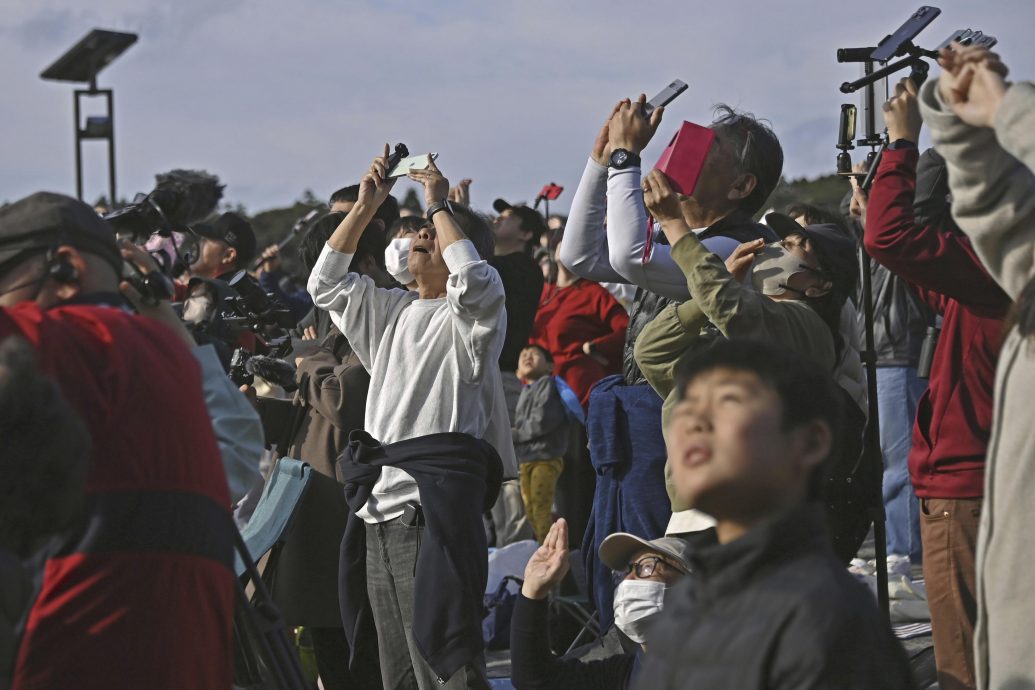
x: 968, y: 37
x: 887, y: 48
x: 404, y: 166
x: 665, y: 96
x: 846, y: 132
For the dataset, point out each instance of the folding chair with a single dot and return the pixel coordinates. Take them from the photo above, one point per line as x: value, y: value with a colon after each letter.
x: 578, y: 607
x: 264, y: 654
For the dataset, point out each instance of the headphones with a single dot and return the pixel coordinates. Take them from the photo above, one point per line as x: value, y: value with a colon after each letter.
x: 60, y: 269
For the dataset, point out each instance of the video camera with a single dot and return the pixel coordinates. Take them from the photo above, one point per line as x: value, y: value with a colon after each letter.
x: 180, y: 197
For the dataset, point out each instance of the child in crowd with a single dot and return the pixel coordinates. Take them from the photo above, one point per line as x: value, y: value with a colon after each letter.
x: 540, y: 436
x: 768, y: 604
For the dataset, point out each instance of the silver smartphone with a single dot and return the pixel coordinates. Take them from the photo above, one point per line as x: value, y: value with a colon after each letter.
x: 404, y: 166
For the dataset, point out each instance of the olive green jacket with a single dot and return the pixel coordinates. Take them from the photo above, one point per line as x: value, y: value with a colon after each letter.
x: 736, y: 310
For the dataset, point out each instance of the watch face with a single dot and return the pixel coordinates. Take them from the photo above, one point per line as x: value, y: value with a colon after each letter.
x: 619, y: 157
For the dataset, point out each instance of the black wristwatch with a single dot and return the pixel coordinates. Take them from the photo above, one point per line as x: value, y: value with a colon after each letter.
x: 622, y: 159
x: 443, y: 205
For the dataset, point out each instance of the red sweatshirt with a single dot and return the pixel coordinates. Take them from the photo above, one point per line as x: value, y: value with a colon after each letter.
x: 571, y: 316
x: 954, y: 417
x: 144, y: 597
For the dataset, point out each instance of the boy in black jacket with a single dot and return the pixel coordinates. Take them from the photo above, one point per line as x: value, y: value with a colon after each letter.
x: 768, y: 604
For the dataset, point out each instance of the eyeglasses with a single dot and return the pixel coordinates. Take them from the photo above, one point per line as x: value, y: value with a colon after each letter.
x: 644, y: 568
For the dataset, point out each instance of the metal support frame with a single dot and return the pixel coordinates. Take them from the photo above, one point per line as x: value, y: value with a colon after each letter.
x: 82, y: 134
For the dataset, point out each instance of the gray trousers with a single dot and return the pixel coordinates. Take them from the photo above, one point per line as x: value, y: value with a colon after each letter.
x: 391, y: 563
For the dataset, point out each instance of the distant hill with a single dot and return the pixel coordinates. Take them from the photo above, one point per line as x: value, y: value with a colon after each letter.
x: 826, y: 191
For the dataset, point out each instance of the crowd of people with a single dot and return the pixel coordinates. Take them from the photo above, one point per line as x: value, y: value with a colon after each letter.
x: 668, y: 386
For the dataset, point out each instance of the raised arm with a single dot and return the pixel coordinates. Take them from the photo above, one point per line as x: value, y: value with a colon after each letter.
x: 931, y: 258
x: 474, y: 290
x: 533, y: 665
x: 584, y: 249
x: 993, y: 192
x: 359, y: 309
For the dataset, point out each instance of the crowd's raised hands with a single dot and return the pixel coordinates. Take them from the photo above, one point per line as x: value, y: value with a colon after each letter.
x: 973, y: 83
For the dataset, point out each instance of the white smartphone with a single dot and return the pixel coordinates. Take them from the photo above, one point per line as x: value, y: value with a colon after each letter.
x: 412, y: 163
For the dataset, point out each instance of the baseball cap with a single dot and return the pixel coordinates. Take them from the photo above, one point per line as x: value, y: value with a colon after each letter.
x: 233, y: 230
x: 835, y: 248
x: 531, y: 220
x: 46, y: 219
x: 618, y: 548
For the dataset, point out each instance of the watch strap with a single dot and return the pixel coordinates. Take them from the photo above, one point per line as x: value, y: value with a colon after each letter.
x: 443, y: 205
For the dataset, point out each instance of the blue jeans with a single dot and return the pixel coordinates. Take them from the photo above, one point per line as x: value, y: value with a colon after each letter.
x: 898, y: 392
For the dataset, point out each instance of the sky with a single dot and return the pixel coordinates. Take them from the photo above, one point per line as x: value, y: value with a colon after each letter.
x: 279, y: 96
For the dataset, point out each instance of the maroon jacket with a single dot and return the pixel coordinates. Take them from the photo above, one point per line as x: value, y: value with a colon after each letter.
x: 567, y: 318
x: 954, y: 417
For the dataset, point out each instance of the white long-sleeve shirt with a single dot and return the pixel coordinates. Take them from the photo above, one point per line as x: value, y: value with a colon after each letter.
x: 432, y: 362
x: 615, y: 254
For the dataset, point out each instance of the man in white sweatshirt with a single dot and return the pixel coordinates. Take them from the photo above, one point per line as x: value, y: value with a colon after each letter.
x: 432, y: 355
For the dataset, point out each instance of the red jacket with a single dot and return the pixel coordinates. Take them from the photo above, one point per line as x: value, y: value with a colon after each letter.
x: 569, y: 317
x: 954, y: 417
x: 145, y: 596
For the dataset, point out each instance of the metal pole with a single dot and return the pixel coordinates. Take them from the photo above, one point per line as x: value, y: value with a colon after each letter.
x: 872, y: 455
x: 78, y: 148
x: 109, y: 95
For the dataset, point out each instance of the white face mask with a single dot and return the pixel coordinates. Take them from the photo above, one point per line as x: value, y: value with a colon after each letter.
x: 198, y: 308
x: 773, y: 267
x: 637, y: 602
x: 397, y: 254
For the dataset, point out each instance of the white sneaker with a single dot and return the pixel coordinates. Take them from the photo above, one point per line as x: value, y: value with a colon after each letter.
x: 899, y: 565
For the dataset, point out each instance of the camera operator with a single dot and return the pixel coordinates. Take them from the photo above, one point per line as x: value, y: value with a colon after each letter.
x: 954, y: 417
x: 143, y: 595
x: 224, y: 248
x: 436, y: 403
x: 983, y: 127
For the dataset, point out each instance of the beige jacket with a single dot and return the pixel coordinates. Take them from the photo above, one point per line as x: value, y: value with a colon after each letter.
x: 993, y: 201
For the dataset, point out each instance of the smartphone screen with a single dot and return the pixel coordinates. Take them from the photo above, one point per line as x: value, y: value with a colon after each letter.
x: 907, y: 32
x: 847, y: 130
x: 420, y: 162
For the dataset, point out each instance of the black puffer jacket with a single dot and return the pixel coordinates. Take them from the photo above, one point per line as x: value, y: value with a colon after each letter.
x: 900, y: 319
x: 773, y: 609
x: 648, y: 305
